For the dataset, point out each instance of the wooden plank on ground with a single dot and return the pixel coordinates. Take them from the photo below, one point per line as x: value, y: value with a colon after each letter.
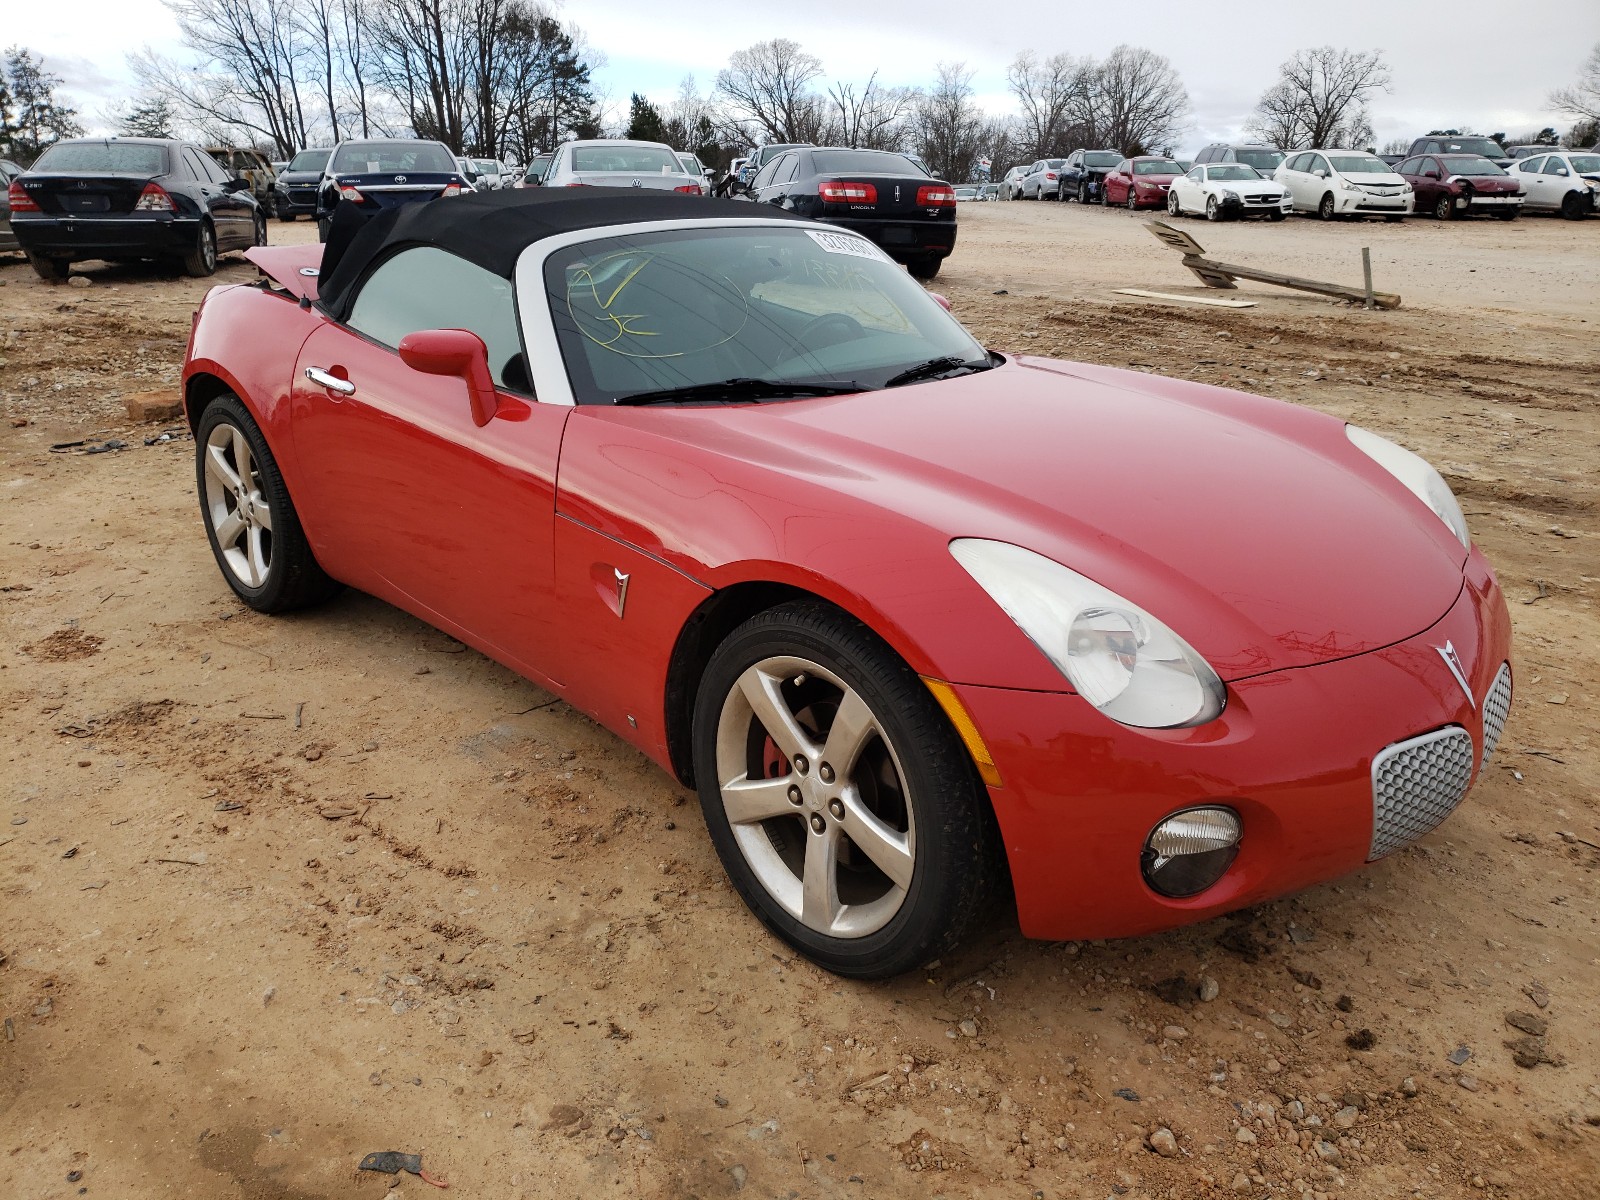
x: 1215, y: 303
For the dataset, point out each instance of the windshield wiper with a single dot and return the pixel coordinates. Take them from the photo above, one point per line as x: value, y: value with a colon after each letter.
x: 935, y: 367
x: 739, y: 389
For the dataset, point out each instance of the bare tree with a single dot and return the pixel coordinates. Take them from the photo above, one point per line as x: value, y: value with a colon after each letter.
x: 1140, y: 102
x: 1582, y: 99
x: 1046, y: 91
x: 1320, y: 99
x: 951, y: 131
x: 874, y: 120
x: 768, y: 87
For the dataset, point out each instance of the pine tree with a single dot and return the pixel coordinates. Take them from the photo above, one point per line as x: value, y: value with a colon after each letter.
x: 644, y: 121
x: 40, y: 119
x: 152, y: 118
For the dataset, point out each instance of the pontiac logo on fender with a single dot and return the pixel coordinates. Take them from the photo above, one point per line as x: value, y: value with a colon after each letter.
x: 1453, y: 661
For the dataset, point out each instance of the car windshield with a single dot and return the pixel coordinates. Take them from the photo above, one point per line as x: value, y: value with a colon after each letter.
x: 1471, y: 165
x: 354, y: 158
x: 1471, y: 145
x: 807, y: 306
x: 309, y: 160
x: 1233, y: 171
x: 1157, y: 166
x: 865, y: 162
x: 1585, y: 164
x: 1261, y: 160
x: 966, y: 193
x: 112, y: 158
x: 1360, y: 164
x: 639, y: 160
x: 487, y: 165
x: 1101, y: 158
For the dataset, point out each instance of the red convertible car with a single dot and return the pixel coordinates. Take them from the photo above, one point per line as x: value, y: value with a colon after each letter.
x: 909, y: 615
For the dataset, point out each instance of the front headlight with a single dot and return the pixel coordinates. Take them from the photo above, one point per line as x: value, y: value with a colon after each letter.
x: 1116, y: 656
x: 1425, y: 483
x: 1229, y: 194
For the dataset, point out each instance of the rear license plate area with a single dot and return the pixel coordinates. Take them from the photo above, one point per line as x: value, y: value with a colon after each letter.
x: 85, y: 204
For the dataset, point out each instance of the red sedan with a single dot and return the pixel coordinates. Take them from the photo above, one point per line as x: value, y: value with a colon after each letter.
x: 906, y: 613
x: 1140, y: 182
x: 1458, y: 185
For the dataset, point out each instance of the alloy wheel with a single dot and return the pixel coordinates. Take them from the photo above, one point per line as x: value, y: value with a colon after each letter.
x: 816, y: 797
x: 236, y: 507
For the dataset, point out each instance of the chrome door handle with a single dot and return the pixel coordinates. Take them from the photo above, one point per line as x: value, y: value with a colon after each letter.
x: 330, y: 381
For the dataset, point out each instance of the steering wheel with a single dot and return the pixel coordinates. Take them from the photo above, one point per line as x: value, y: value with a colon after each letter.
x: 852, y: 327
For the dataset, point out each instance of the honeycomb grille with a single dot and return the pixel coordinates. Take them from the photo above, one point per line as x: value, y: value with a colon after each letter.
x: 1496, y: 707
x: 1416, y: 785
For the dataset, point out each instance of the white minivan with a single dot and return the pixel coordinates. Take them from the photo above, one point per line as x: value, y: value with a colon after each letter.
x: 1336, y: 183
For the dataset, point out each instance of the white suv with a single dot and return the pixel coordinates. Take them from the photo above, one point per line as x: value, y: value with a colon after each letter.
x: 1335, y: 183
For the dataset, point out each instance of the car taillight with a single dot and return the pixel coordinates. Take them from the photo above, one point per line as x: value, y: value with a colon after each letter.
x: 19, y: 199
x: 451, y: 189
x: 1049, y: 174
x: 352, y: 194
x: 154, y: 198
x: 938, y: 197
x: 836, y: 192
x: 692, y: 188
x: 577, y: 185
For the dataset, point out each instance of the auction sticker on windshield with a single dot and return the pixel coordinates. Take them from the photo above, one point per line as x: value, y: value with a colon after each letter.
x: 846, y: 243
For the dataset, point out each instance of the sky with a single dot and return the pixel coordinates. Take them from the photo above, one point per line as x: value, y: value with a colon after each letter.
x: 1451, y: 67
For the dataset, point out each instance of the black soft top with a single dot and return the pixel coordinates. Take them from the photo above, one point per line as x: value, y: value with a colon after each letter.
x: 492, y: 229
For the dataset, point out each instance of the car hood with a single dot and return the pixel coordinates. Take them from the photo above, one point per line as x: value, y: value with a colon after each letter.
x: 1376, y: 179
x: 1253, y: 528
x: 300, y: 177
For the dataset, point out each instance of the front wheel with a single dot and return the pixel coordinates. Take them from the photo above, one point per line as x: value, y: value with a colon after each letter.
x: 1083, y: 191
x: 1277, y: 214
x: 1575, y: 206
x: 1213, y: 213
x: 1174, y: 208
x: 202, y: 260
x: 1508, y: 214
x: 1444, y: 208
x: 1394, y: 218
x: 841, y: 802
x: 1325, y: 207
x: 250, y: 520
x: 1131, y: 200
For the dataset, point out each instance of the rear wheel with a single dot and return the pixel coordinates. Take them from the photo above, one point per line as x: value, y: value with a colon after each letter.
x: 926, y: 267
x: 261, y: 229
x: 283, y: 213
x: 250, y: 520
x: 843, y: 806
x: 51, y: 270
x: 323, y: 224
x: 1325, y: 207
x: 202, y: 260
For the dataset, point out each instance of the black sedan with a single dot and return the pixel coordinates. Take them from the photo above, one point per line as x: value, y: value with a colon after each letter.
x: 378, y: 173
x: 128, y: 199
x: 296, y: 189
x: 883, y: 196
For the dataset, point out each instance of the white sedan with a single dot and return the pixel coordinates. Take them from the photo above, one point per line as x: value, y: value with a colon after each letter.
x: 1567, y: 182
x: 1223, y: 190
x: 1337, y: 183
x: 617, y: 162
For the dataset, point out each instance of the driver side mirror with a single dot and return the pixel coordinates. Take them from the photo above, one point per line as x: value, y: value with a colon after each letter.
x: 1320, y: 173
x: 456, y: 352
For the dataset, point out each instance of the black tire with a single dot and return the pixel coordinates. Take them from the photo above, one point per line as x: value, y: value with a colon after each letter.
x: 269, y: 205
x: 916, y: 762
x: 260, y: 238
x: 1509, y: 213
x: 51, y: 270
x: 1394, y: 218
x: 1575, y: 206
x: 1277, y: 214
x: 285, y: 216
x: 1083, y: 191
x: 1325, y: 207
x: 1213, y: 213
x: 202, y: 260
x: 1444, y: 208
x: 926, y: 267
x: 1104, y: 195
x: 1174, y: 209
x: 1131, y: 203
x: 323, y: 224
x: 292, y: 578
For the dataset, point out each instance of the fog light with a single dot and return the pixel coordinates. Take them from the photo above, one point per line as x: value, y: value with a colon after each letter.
x: 1188, y: 851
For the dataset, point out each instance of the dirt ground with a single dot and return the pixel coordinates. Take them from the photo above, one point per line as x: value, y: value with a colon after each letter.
x: 275, y: 893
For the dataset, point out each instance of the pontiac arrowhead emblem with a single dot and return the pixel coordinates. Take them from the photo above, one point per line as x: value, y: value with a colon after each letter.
x: 1453, y: 661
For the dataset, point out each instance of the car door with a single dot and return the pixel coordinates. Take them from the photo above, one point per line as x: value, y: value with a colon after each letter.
x: 1427, y: 182
x: 1288, y: 174
x: 231, y: 215
x: 1528, y: 177
x: 1555, y: 181
x: 404, y: 495
x: 776, y: 188
x: 1191, y: 190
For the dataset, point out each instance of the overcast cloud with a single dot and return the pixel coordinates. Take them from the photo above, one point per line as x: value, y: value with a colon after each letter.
x: 1451, y: 66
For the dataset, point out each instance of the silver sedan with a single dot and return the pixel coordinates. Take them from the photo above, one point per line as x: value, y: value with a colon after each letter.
x: 615, y: 162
